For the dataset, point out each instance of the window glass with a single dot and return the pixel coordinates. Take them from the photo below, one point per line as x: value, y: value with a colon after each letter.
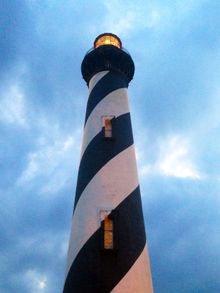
x: 107, y: 40
x: 108, y: 230
x: 108, y: 128
x: 108, y: 233
x: 107, y: 125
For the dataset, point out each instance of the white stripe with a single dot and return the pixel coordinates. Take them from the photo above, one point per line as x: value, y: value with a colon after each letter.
x: 96, y: 78
x: 138, y: 279
x: 108, y: 188
x: 114, y: 104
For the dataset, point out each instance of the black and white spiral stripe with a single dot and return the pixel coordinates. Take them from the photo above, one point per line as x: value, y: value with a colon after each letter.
x: 107, y: 180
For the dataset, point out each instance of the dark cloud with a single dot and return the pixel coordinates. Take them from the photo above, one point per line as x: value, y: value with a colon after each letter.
x: 182, y: 228
x: 172, y: 88
x: 15, y: 23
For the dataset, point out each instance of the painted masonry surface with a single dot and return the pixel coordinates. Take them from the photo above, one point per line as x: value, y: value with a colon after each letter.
x: 107, y: 247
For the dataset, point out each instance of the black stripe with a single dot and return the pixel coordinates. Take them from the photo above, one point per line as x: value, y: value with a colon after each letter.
x: 100, y: 151
x: 98, y: 272
x: 110, y: 82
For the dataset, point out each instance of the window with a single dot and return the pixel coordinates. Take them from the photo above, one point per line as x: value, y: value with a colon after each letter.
x: 108, y: 128
x: 108, y: 233
x: 107, y: 125
x: 108, y: 230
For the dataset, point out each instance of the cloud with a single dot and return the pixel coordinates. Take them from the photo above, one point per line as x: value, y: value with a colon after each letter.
x: 182, y: 224
x: 113, y: 22
x: 37, y: 282
x: 15, y: 24
x: 159, y: 17
x: 13, y: 106
x: 174, y: 99
x: 135, y: 17
x: 52, y: 161
x: 173, y: 159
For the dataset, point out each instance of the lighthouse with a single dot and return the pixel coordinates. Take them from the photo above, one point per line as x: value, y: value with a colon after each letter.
x: 107, y: 247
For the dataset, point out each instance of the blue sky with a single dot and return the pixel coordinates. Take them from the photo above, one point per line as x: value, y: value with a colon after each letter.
x: 175, y: 106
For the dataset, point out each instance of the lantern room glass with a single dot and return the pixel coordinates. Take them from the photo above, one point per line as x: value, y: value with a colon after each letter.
x: 107, y: 40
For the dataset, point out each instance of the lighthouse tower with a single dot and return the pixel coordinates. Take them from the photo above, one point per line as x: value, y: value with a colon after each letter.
x: 107, y: 247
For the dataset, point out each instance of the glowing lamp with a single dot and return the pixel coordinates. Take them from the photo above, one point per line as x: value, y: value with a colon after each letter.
x: 107, y: 39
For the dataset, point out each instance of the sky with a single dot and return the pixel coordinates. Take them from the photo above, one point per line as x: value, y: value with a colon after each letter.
x: 175, y: 109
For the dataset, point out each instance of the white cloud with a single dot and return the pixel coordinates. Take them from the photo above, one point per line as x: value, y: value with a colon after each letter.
x: 36, y: 281
x: 118, y: 19
x: 12, y: 106
x: 173, y: 159
x: 53, y: 160
x: 153, y: 19
x: 124, y: 19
